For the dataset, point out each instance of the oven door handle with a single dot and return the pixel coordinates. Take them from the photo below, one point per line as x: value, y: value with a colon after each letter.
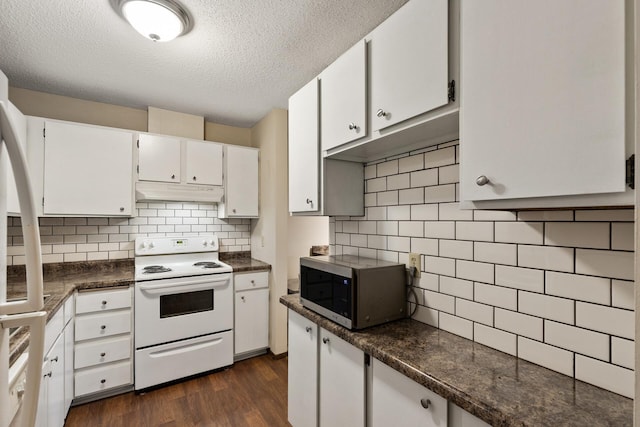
x: 186, y: 286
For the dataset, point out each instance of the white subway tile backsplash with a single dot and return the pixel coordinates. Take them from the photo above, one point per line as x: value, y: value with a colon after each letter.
x: 582, y: 288
x: 449, y: 174
x: 386, y: 198
x: 519, y: 232
x: 452, y: 212
x: 545, y: 216
x: 411, y: 163
x: 613, y: 321
x: 376, y: 242
x: 456, y: 287
x: 376, y: 185
x: 399, y: 244
x: 411, y: 196
x: 519, y: 324
x: 456, y: 249
x: 426, y: 315
x: 370, y: 172
x: 424, y: 246
x: 424, y: 178
x: 497, y: 253
x: 547, y: 307
x: 474, y: 311
x: 456, y: 325
x: 423, y: 212
x: 387, y: 228
x: 443, y: 157
x: 608, y: 215
x: 478, y: 231
x: 622, y: 236
x: 427, y: 281
x: 370, y: 199
x: 476, y: 271
x: 615, y: 264
x: 439, y: 229
x: 440, y: 302
x: 388, y: 168
x: 623, y: 352
x: 411, y: 228
x: 605, y: 375
x: 399, y: 213
x: 494, y: 338
x: 546, y: 258
x: 622, y: 294
x: 376, y: 214
x: 578, y: 340
x: 497, y: 296
x: 439, y: 265
x: 440, y: 193
x: 494, y: 216
x: 545, y: 355
x: 577, y: 234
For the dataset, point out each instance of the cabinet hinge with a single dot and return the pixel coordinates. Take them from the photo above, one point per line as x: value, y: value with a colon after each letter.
x: 367, y: 359
x: 44, y: 132
x: 138, y: 169
x: 138, y: 143
x: 631, y: 171
x: 452, y: 90
x: 43, y: 201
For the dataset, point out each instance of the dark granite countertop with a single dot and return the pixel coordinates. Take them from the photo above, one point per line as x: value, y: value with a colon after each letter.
x: 494, y: 386
x: 62, y: 279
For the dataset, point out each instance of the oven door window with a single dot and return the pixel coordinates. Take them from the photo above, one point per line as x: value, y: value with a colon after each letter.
x: 186, y: 303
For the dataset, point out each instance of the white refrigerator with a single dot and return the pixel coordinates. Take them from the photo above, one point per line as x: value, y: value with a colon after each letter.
x: 29, y: 311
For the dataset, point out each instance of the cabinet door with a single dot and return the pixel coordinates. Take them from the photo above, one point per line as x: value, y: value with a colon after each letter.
x: 158, y: 158
x: 87, y: 170
x: 68, y: 365
x: 55, y: 389
x: 409, y: 62
x: 342, y: 382
x: 303, y: 372
x: 241, y: 192
x: 399, y: 401
x: 343, y: 88
x: 304, y: 147
x: 43, y: 403
x: 251, y: 328
x: 542, y: 101
x: 203, y: 163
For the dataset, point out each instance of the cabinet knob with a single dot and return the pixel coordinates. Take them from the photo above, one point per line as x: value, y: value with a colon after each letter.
x: 48, y: 374
x: 253, y: 282
x: 194, y: 178
x: 242, y: 298
x: 482, y: 180
x: 325, y: 340
x: 102, y: 381
x: 353, y: 126
x: 121, y: 209
x: 425, y: 403
x: 103, y: 327
x: 308, y: 329
x: 104, y: 302
x: 173, y: 177
x: 55, y: 359
x: 309, y: 201
x: 233, y: 210
x: 103, y: 354
x: 381, y: 113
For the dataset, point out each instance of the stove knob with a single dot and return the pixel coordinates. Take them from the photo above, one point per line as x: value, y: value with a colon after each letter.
x: 144, y: 245
x: 211, y: 243
x: 150, y: 245
x: 204, y: 243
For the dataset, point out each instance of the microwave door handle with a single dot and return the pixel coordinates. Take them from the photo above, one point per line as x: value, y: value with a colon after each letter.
x: 36, y: 321
x: 30, y: 229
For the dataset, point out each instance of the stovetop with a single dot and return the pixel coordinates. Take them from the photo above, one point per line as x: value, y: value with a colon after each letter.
x: 170, y: 257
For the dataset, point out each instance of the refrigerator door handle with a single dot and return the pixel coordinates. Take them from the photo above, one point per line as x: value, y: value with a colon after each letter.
x: 36, y: 321
x: 30, y: 229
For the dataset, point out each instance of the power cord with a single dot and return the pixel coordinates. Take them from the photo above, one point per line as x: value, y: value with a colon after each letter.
x: 411, y: 290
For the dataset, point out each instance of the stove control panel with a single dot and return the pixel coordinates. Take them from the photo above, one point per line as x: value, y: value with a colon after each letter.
x: 173, y: 245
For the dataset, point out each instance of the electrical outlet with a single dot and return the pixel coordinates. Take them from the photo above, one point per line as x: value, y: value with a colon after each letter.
x: 414, y: 261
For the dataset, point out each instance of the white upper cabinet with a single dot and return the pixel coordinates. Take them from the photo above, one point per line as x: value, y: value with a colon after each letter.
x: 343, y: 88
x: 240, y: 182
x: 304, y: 173
x: 158, y: 158
x: 203, y: 162
x: 88, y: 170
x: 543, y: 99
x: 409, y: 57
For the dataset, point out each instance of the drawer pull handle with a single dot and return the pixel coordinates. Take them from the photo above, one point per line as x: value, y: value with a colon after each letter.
x: 103, y: 327
x: 425, y: 403
x: 104, y: 303
x: 103, y: 354
x: 48, y: 374
x: 253, y: 282
x: 308, y: 329
x: 325, y: 340
x: 102, y: 381
x: 55, y: 359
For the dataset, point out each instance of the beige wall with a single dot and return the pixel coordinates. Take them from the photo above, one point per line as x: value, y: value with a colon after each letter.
x: 166, y: 122
x: 269, y: 234
x: 304, y: 232
x: 41, y: 104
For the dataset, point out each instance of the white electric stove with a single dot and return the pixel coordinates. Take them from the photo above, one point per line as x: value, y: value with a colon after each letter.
x: 183, y: 309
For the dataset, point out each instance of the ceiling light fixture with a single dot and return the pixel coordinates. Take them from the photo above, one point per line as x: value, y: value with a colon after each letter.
x: 157, y: 20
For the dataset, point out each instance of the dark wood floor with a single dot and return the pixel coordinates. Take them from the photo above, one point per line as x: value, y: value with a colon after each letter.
x: 252, y: 392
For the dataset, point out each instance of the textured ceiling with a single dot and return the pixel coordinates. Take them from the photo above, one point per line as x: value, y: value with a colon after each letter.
x: 241, y: 59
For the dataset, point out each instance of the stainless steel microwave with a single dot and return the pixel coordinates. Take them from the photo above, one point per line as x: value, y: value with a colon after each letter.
x: 355, y: 292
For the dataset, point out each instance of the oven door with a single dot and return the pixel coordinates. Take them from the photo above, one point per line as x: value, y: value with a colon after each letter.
x: 173, y: 309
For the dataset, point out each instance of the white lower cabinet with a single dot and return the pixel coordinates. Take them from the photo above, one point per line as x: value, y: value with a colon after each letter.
x: 398, y: 401
x: 458, y: 417
x: 326, y: 377
x: 251, y: 327
x: 103, y: 345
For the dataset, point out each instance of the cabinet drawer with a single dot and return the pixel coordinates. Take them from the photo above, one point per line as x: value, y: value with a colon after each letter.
x: 102, y: 378
x: 244, y: 281
x: 103, y: 325
x: 103, y: 300
x: 102, y: 351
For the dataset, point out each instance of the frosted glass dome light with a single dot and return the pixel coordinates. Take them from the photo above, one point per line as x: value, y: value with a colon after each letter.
x: 157, y: 20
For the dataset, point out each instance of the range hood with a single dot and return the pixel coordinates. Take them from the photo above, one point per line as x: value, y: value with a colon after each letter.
x: 153, y: 191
